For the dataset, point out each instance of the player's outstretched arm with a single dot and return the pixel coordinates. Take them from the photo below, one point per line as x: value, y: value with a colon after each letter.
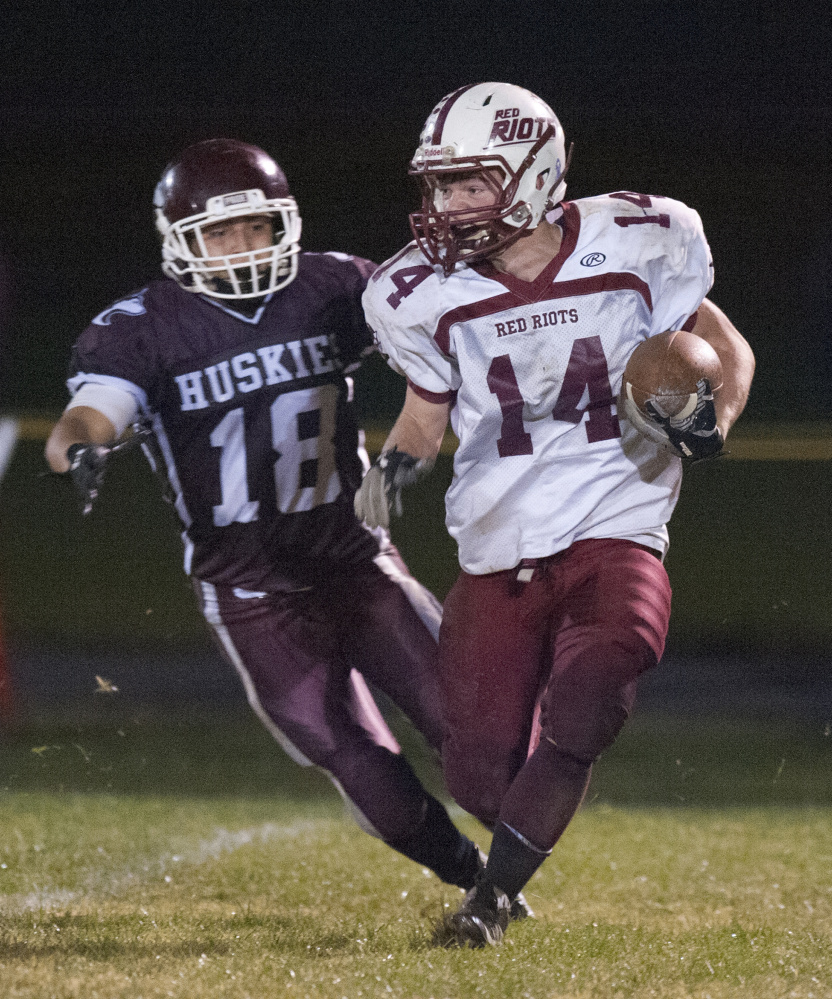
x: 408, y: 453
x: 79, y: 446
x: 79, y: 425
x: 737, y: 362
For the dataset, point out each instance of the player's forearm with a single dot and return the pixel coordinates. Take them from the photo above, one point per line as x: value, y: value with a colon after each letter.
x: 408, y: 435
x: 737, y: 360
x: 80, y: 425
x: 420, y: 427
x: 737, y: 372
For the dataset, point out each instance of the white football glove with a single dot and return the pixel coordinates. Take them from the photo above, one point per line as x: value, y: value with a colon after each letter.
x: 381, y: 489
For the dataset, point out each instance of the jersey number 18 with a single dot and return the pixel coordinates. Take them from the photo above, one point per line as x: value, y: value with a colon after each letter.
x: 305, y: 473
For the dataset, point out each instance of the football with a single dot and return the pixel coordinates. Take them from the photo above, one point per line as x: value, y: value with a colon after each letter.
x: 665, y: 369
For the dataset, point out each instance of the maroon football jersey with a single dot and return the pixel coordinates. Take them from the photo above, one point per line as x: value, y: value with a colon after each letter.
x: 252, y: 415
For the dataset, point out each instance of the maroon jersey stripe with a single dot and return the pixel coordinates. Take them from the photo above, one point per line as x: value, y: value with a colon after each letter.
x: 558, y: 290
x: 690, y: 322
x: 446, y: 109
x: 476, y: 310
x: 601, y: 282
x: 437, y: 397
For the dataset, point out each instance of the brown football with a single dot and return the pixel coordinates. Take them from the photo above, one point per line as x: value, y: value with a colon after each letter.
x: 665, y: 369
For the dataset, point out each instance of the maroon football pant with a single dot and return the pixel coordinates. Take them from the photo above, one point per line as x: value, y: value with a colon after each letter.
x: 554, y: 658
x: 303, y: 657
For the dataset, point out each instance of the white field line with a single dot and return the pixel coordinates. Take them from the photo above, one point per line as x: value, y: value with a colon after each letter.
x: 97, y: 882
x: 9, y: 430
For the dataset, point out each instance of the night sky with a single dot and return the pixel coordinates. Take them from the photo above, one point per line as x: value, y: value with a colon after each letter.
x: 728, y: 111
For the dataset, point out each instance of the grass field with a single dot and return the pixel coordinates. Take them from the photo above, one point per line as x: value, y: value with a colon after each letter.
x: 192, y: 859
x: 183, y: 855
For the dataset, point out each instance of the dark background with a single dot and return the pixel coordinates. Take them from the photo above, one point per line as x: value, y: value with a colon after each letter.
x: 727, y: 110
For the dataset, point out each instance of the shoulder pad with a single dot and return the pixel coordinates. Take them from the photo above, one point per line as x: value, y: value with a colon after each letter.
x: 133, y: 305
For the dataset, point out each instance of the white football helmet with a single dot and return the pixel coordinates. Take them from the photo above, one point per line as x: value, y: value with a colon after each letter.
x: 475, y: 128
x: 215, y: 181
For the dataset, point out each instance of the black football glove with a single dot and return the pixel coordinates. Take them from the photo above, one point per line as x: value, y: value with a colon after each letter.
x: 696, y: 436
x: 86, y: 469
x: 381, y: 490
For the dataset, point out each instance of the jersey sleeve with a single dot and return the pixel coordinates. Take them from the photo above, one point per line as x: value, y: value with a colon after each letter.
x: 402, y: 316
x: 117, y: 349
x: 682, y: 273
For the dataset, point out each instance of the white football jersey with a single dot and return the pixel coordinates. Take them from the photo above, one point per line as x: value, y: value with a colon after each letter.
x: 534, y: 369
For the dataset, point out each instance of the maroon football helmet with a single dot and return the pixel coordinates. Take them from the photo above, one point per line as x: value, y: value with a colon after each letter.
x: 216, y: 181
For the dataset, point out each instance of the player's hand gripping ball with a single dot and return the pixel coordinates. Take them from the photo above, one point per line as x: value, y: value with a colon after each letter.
x: 668, y: 394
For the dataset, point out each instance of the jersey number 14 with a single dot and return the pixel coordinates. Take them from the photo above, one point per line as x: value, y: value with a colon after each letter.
x: 586, y: 370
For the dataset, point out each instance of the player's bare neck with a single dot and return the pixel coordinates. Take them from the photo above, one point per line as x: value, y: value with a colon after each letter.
x: 530, y: 255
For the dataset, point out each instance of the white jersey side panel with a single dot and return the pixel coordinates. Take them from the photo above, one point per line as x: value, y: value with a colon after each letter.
x: 544, y: 460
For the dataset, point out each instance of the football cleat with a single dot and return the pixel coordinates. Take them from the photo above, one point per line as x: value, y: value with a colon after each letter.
x: 480, y: 921
x: 520, y: 909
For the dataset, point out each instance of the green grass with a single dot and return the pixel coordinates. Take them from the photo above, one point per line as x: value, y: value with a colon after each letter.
x: 187, y: 856
x: 192, y: 859
x: 662, y: 902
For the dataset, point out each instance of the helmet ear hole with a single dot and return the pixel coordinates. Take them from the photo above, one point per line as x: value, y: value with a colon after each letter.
x: 541, y: 179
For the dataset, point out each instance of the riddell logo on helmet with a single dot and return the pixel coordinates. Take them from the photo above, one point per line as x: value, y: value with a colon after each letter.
x: 510, y: 127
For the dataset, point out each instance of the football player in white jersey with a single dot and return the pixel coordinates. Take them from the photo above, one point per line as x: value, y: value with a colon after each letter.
x: 513, y: 315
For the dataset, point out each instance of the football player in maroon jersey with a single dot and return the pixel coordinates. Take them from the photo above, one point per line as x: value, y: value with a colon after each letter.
x: 239, y: 362
x: 513, y: 314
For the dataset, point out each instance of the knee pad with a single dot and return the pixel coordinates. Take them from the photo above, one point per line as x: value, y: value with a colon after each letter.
x: 582, y: 724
